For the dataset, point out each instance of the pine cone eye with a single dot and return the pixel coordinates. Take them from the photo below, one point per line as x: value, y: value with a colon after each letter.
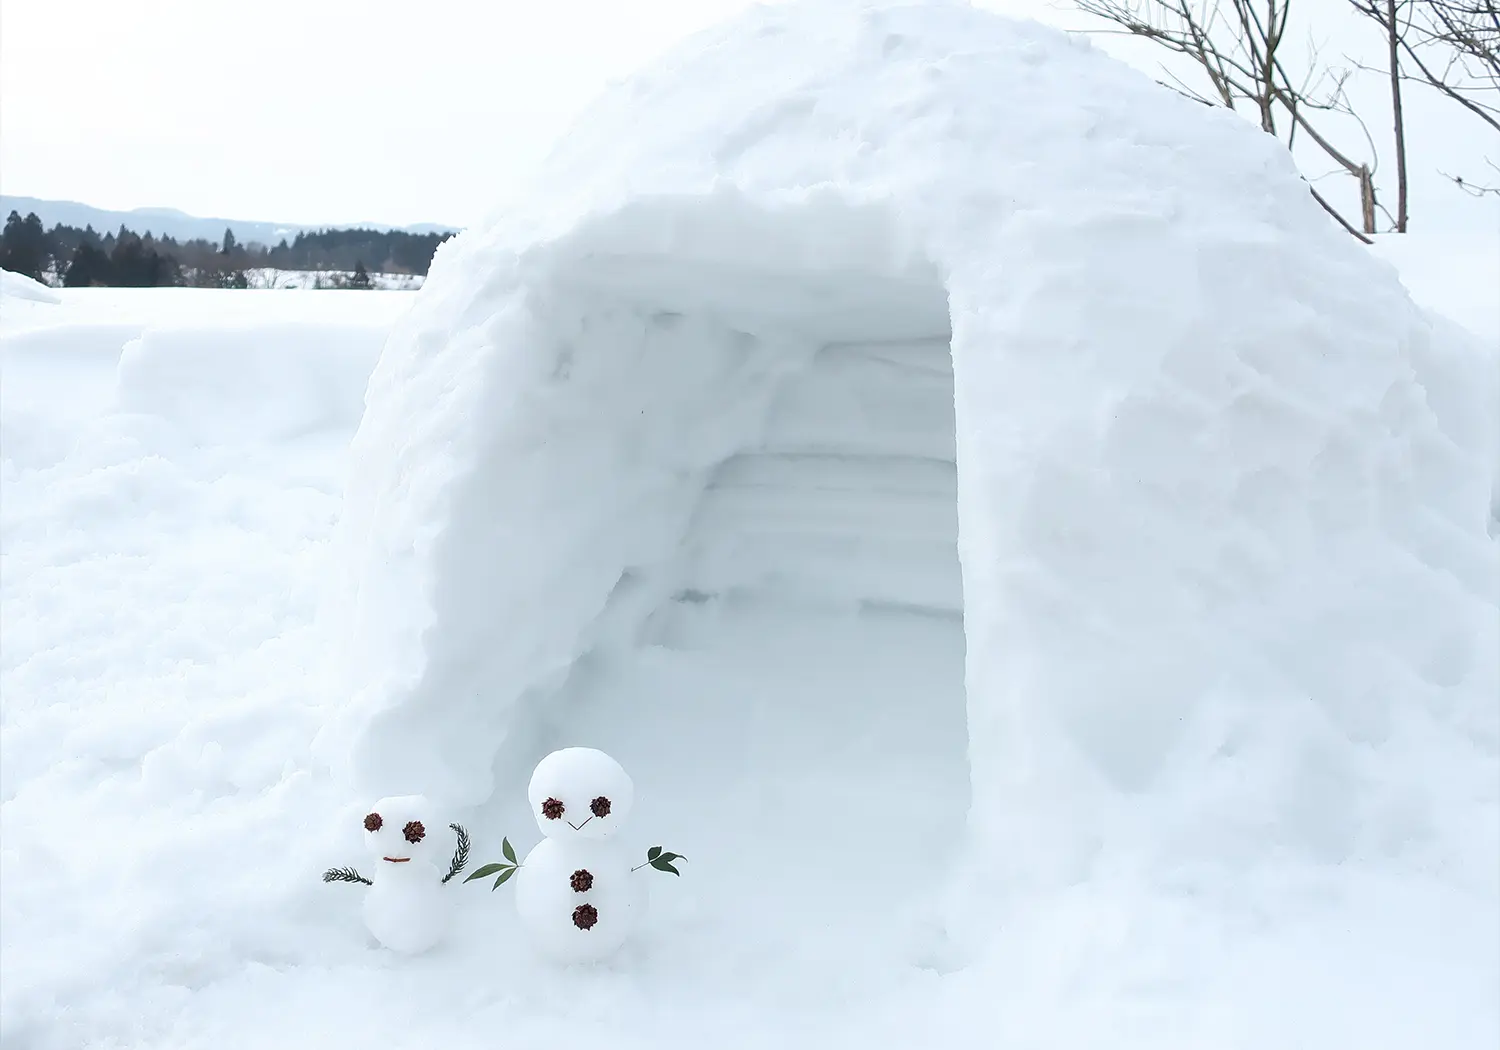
x: 414, y: 832
x: 585, y: 916
x: 582, y: 881
x: 599, y: 807
x: 552, y: 809
x: 373, y: 822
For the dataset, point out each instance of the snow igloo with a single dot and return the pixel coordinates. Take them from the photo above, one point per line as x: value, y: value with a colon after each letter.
x: 894, y: 423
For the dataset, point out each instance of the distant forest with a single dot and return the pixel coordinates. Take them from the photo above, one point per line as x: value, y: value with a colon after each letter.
x: 74, y: 258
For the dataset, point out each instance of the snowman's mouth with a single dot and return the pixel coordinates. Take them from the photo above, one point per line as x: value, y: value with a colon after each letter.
x: 396, y: 860
x: 578, y: 827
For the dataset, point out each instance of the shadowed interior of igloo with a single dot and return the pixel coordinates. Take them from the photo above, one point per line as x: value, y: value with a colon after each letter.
x: 790, y: 697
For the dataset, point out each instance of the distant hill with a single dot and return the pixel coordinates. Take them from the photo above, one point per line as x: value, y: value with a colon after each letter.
x: 170, y: 222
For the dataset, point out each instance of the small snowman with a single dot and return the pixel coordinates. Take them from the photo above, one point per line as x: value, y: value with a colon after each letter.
x: 406, y: 909
x: 575, y: 895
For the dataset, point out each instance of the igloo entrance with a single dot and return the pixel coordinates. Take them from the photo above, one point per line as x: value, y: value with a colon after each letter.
x: 790, y: 698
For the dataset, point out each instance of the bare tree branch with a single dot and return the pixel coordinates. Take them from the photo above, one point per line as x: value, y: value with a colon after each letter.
x: 1474, y: 189
x: 1398, y: 118
x: 1453, y: 45
x: 1339, y: 218
x: 1239, y: 47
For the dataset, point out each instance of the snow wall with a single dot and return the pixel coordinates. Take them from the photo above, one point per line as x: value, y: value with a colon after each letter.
x: 1224, y: 496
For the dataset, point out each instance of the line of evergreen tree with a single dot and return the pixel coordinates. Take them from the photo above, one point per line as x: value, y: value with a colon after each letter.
x: 73, y: 257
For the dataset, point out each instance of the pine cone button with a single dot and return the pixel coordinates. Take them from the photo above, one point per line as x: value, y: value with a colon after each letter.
x: 585, y: 916
x: 582, y: 881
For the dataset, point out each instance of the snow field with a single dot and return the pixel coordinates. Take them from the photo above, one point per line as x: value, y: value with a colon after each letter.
x: 160, y: 820
x: 268, y: 382
x: 181, y: 306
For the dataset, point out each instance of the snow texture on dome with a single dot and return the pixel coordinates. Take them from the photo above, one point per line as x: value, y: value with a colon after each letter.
x: 1224, y: 494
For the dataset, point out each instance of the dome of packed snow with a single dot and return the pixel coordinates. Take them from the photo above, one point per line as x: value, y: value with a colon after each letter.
x: 1032, y: 395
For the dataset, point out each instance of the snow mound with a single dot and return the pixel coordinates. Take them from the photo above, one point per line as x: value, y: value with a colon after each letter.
x: 886, y: 320
x: 221, y: 384
x: 54, y: 377
x: 19, y: 286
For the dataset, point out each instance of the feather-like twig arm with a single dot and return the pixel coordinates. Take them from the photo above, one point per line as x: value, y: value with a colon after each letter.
x: 461, y: 854
x: 345, y: 875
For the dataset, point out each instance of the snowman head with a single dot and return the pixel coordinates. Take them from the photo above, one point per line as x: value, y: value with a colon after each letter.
x: 400, y: 829
x: 579, y: 793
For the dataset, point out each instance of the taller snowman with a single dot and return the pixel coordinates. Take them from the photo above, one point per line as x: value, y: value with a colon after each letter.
x: 575, y: 894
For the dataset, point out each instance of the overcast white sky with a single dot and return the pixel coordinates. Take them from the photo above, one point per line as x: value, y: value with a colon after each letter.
x: 399, y: 111
x: 306, y: 110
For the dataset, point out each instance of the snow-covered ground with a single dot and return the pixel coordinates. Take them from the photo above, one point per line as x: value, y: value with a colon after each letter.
x: 172, y: 464
x: 166, y: 515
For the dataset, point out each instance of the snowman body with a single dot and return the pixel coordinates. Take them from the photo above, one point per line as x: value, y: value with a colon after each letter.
x: 576, y: 896
x: 577, y: 900
x: 405, y: 908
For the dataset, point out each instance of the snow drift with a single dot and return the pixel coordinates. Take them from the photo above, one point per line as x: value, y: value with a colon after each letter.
x: 871, y: 322
x: 269, y: 381
x: 19, y: 286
